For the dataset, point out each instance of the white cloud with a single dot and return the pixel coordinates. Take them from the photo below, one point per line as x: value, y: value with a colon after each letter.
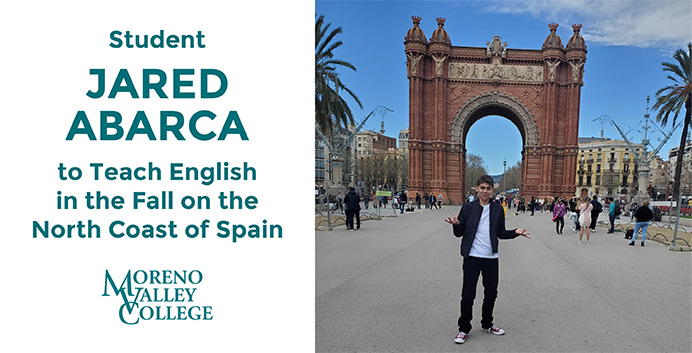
x: 654, y: 23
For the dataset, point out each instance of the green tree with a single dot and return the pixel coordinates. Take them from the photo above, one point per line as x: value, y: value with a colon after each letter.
x: 475, y: 168
x: 330, y: 108
x: 671, y: 99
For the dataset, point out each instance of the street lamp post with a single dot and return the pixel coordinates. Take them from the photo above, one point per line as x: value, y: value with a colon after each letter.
x: 338, y: 150
x: 504, y: 176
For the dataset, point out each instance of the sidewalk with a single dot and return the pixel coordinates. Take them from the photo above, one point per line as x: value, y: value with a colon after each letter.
x: 394, y: 286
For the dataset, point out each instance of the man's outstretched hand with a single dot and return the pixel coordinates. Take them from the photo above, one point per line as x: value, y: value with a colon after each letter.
x: 452, y: 220
x: 522, y: 232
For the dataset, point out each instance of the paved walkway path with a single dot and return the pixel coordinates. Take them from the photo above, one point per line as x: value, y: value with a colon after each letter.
x: 394, y: 286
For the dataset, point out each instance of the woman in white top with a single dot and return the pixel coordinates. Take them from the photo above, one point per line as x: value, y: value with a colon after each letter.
x: 585, y: 208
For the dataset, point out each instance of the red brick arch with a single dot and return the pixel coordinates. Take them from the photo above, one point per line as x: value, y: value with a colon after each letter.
x: 451, y: 87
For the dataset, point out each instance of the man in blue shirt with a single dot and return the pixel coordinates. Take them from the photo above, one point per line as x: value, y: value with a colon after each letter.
x: 611, y: 213
x: 480, y: 224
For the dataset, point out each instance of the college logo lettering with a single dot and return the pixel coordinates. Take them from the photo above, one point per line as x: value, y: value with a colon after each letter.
x: 145, y: 295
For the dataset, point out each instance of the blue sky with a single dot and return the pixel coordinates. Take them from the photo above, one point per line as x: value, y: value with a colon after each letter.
x: 627, y: 40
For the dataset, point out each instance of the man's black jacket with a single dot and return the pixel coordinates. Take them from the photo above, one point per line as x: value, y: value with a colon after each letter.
x: 352, y: 201
x: 470, y: 215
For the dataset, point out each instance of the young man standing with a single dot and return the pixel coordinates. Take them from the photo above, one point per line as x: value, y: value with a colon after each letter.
x: 480, y: 224
x: 611, y: 214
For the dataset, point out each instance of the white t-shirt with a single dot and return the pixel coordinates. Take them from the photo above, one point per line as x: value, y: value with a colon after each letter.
x: 481, y: 246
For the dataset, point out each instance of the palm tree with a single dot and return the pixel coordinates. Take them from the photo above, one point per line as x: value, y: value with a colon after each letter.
x: 671, y: 99
x: 330, y: 108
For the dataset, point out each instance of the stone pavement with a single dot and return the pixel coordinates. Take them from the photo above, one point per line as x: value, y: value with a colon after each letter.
x: 395, y: 285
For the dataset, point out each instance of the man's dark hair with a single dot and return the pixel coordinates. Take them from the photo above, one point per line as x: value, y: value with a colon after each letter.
x: 487, y: 179
x: 595, y: 197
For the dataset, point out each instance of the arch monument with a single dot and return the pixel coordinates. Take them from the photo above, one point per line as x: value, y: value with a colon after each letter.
x: 452, y: 87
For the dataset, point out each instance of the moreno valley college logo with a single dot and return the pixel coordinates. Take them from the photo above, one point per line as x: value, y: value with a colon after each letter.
x: 157, y: 295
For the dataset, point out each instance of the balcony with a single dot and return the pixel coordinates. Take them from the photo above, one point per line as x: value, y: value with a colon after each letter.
x: 581, y: 161
x: 590, y: 160
x: 612, y: 160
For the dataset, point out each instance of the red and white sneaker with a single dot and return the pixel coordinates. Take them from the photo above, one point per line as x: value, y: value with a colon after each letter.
x: 460, y: 338
x: 496, y: 330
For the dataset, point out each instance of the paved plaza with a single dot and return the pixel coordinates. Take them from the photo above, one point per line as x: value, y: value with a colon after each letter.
x: 394, y: 286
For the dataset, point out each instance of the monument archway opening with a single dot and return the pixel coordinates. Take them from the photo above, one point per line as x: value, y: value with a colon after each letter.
x: 451, y: 87
x: 509, y: 148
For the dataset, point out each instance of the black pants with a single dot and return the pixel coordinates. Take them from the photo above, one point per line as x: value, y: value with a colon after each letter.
x: 559, y: 224
x: 349, y: 218
x: 473, y: 267
x: 612, y: 222
x: 594, y: 218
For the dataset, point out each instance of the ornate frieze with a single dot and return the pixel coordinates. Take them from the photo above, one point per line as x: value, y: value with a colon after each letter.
x: 517, y: 73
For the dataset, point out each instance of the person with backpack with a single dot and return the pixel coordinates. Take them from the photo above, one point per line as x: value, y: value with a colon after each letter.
x: 433, y: 202
x: 613, y: 213
x: 559, y: 211
x: 643, y: 216
x: 597, y: 208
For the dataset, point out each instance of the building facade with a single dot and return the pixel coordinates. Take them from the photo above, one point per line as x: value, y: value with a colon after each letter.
x: 658, y: 179
x: 686, y: 176
x: 403, y: 142
x: 369, y: 142
x: 608, y: 168
x: 336, y: 167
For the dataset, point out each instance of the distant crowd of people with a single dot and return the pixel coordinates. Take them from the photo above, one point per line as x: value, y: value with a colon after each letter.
x: 582, y: 212
x: 349, y: 204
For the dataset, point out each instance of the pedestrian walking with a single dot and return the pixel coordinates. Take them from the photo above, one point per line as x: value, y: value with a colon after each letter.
x: 597, y: 209
x: 439, y: 201
x: 633, y: 209
x: 340, y: 202
x: 643, y: 216
x: 418, y: 199
x: 573, y: 202
x: 433, y: 202
x: 352, y: 203
x: 366, y: 199
x: 480, y: 225
x: 426, y: 197
x: 532, y: 205
x: 558, y: 216
x: 585, y: 208
x: 402, y: 201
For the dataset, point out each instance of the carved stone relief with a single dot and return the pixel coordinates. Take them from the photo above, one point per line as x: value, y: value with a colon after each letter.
x: 438, y: 64
x: 552, y: 65
x: 576, y: 68
x: 496, y: 72
x: 412, y: 63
